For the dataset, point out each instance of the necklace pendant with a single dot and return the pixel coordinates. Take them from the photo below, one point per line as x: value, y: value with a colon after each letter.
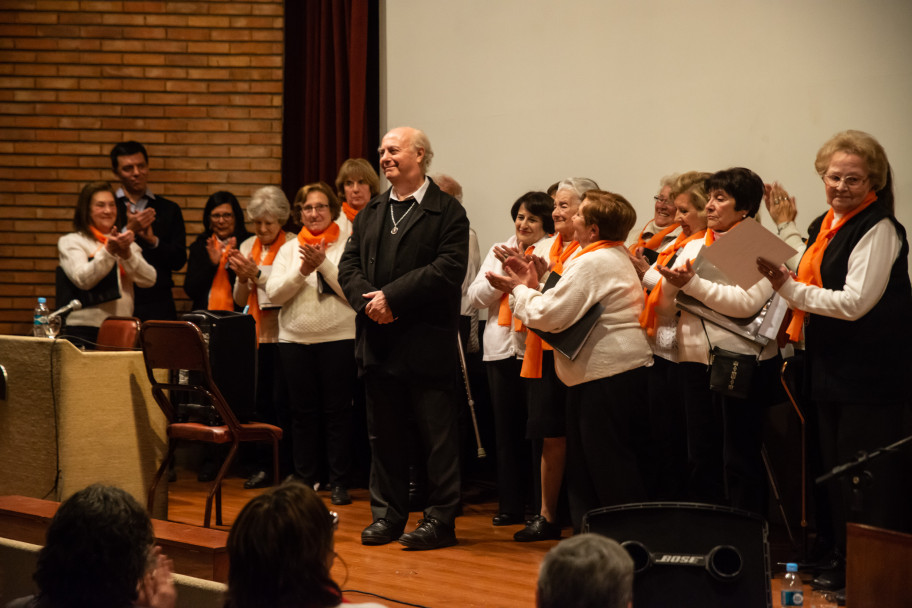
x: 394, y: 230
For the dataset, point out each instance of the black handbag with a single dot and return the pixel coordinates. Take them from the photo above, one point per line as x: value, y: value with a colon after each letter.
x: 730, y: 373
x: 106, y: 290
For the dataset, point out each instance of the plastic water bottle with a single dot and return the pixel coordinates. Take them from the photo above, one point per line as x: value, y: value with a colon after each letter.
x: 40, y: 327
x: 792, y: 590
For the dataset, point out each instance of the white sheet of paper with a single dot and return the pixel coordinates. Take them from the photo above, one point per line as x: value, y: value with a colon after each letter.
x: 736, y: 253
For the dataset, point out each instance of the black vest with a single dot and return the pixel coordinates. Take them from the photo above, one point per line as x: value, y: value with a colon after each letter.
x: 869, y: 359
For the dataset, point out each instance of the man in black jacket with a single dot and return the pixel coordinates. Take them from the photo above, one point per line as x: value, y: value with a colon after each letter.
x: 159, y: 227
x: 402, y: 272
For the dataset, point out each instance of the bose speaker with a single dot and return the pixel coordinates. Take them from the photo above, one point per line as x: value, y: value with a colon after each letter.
x: 690, y: 554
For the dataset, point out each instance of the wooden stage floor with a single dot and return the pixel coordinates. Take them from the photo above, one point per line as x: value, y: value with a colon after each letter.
x: 486, y: 568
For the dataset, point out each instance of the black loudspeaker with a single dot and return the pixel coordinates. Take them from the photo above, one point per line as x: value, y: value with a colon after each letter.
x: 689, y: 554
x: 232, y: 341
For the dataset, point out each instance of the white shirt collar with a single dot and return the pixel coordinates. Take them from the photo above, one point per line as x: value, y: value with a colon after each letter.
x: 418, y: 194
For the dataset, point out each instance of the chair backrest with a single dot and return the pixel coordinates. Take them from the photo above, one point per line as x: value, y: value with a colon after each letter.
x: 118, y: 333
x: 175, y: 346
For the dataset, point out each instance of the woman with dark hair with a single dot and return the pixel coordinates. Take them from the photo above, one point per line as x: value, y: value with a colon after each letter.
x: 851, y: 301
x: 99, y: 552
x: 356, y: 184
x: 724, y: 433
x: 504, y: 343
x: 96, y: 250
x: 316, y: 340
x: 210, y: 278
x: 281, y: 550
x: 606, y: 381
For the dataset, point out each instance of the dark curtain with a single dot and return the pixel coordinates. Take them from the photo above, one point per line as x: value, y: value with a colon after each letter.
x: 331, y: 92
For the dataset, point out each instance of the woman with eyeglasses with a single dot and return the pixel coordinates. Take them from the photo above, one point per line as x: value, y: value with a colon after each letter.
x: 852, y: 301
x: 281, y: 550
x: 662, y: 229
x: 210, y: 278
x: 316, y: 340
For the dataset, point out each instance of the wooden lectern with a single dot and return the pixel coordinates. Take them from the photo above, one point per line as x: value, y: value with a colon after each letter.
x: 878, y: 567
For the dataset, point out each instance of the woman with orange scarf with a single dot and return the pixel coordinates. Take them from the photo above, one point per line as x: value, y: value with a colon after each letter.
x: 316, y: 340
x: 852, y: 300
x: 724, y: 434
x: 210, y: 279
x: 90, y: 254
x: 607, y: 380
x: 268, y: 210
x: 667, y: 472
x: 662, y: 230
x: 356, y: 184
x: 504, y: 344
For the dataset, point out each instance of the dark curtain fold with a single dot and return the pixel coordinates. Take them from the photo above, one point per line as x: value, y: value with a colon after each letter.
x: 331, y: 88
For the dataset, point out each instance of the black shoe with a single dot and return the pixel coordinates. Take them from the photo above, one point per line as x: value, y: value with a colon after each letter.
x: 506, y: 519
x: 840, y: 597
x: 340, y: 496
x: 381, y: 532
x: 830, y: 580
x: 538, y: 528
x: 257, y: 480
x: 431, y: 533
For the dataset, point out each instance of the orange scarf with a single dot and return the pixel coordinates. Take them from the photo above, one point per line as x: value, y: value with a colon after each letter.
x: 648, y: 319
x: 809, y: 268
x: 220, y: 297
x: 330, y: 235
x: 654, y: 241
x: 256, y: 252
x: 349, y: 211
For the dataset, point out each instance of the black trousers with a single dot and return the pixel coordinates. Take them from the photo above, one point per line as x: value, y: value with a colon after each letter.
x: 402, y: 414
x: 514, y: 451
x: 667, y: 455
x: 320, y: 379
x: 704, y: 435
x: 602, y: 466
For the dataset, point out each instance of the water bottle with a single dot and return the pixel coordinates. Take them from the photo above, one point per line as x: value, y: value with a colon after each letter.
x: 40, y: 327
x: 792, y: 590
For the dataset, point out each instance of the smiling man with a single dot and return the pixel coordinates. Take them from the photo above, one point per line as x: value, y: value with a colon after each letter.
x: 158, y: 225
x: 402, y: 272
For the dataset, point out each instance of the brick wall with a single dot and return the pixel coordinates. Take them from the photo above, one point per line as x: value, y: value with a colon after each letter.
x: 199, y: 83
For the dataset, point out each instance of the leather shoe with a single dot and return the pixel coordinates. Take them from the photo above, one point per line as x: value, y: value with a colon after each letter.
x: 340, y: 496
x: 431, y: 533
x: 830, y: 580
x: 506, y: 519
x: 381, y: 532
x: 538, y: 528
x: 257, y: 480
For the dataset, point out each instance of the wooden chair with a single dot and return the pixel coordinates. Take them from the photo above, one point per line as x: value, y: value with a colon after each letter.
x: 118, y: 333
x: 179, y: 345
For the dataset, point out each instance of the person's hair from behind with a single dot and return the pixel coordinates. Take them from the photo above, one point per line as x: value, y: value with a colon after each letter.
x: 586, y: 571
x: 97, y: 551
x: 280, y: 551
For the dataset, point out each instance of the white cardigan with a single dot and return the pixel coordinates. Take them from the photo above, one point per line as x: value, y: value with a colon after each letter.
x: 500, y: 342
x: 75, y: 249
x: 308, y: 316
x: 729, y: 300
x: 269, y: 317
x: 617, y: 343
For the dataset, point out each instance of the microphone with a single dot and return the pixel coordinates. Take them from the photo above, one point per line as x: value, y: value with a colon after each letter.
x: 73, y: 305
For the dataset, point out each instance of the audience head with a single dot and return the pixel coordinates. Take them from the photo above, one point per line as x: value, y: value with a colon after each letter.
x: 268, y: 209
x: 130, y: 164
x: 281, y: 549
x: 611, y: 213
x: 223, y: 216
x: 357, y: 182
x: 97, y: 551
x: 335, y: 205
x: 586, y: 571
x: 532, y: 218
x: 742, y: 186
x: 845, y: 146
x: 567, y: 199
x: 448, y: 185
x: 93, y: 194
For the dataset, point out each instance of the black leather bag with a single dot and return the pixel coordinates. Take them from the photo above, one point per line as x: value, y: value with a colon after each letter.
x: 730, y: 372
x: 106, y: 290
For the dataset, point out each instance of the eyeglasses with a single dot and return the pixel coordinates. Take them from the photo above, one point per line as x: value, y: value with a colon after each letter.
x: 334, y: 518
x: 312, y: 208
x: 850, y: 181
x: 659, y: 199
x: 221, y: 216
